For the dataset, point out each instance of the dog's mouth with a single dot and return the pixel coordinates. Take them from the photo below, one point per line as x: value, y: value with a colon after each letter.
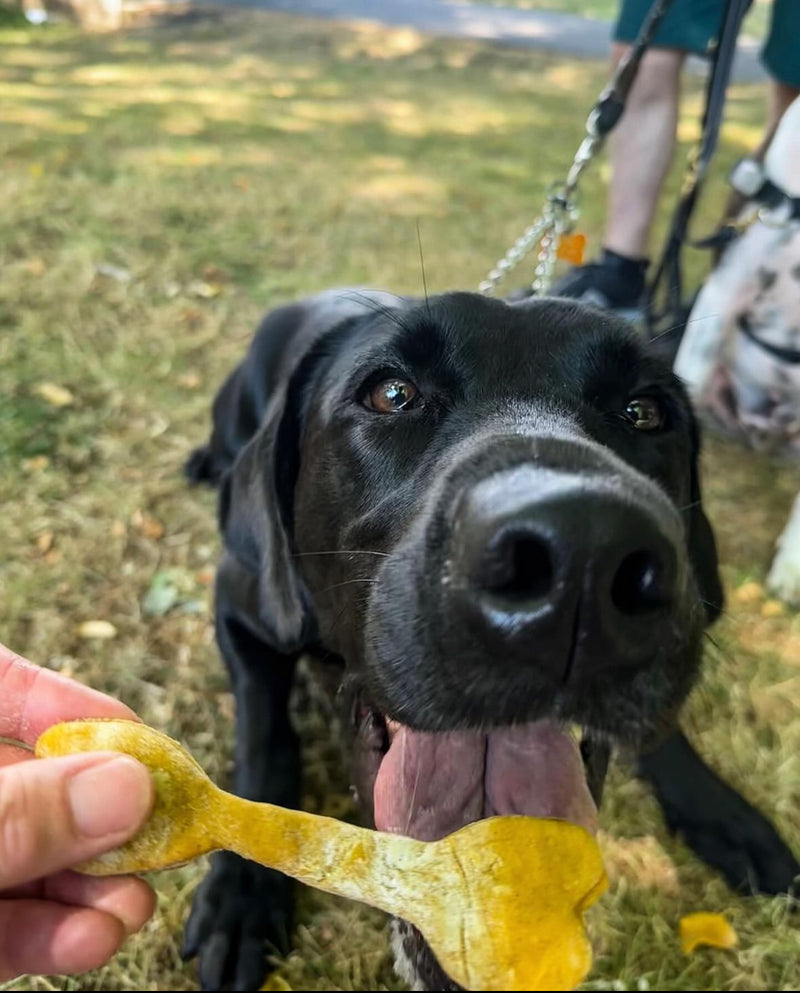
x: 428, y: 784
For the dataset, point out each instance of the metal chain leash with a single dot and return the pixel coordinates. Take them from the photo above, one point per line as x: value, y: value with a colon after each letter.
x: 557, y: 218
x: 561, y: 210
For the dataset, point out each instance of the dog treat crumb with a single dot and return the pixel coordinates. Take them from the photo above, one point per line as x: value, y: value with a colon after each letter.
x: 275, y: 982
x: 750, y: 592
x: 701, y: 928
x: 101, y: 630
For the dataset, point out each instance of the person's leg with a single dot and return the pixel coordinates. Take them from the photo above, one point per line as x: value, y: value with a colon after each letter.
x: 781, y: 58
x: 641, y: 150
x: 780, y: 96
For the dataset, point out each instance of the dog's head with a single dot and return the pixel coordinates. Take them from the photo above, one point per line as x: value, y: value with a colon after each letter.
x: 492, y: 513
x: 762, y: 357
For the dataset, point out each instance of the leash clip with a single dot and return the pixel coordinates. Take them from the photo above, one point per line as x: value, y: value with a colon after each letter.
x: 560, y: 214
x: 776, y: 215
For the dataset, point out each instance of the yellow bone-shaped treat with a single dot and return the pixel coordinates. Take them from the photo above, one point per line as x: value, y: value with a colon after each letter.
x: 500, y: 901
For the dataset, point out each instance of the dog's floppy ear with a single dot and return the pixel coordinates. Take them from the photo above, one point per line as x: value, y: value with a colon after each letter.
x: 256, y: 506
x: 255, y: 511
x: 259, y: 420
x: 702, y: 544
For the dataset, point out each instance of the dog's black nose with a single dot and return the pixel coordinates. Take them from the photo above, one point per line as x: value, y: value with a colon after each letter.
x: 556, y: 568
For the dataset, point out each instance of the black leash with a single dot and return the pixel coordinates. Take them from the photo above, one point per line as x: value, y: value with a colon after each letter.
x: 789, y: 356
x: 668, y: 278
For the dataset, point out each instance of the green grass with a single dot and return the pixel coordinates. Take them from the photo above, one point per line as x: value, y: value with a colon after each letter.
x: 603, y: 10
x: 755, y: 25
x: 212, y: 169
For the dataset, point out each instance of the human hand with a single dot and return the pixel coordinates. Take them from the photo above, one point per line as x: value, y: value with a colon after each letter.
x: 55, y: 813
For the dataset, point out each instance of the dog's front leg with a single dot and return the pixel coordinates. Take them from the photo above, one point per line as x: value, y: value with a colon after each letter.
x: 242, y: 910
x: 784, y: 576
x: 716, y: 822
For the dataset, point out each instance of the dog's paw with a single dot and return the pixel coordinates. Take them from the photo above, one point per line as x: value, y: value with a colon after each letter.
x: 241, y: 913
x: 746, y: 849
x: 784, y: 576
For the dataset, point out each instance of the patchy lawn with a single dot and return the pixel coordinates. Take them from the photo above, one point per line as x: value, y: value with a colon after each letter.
x: 161, y: 189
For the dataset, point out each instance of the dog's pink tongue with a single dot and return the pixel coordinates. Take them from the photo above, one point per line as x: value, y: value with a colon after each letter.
x: 431, y: 784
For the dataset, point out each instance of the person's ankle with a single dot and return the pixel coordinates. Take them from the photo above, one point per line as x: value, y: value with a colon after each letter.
x: 630, y: 268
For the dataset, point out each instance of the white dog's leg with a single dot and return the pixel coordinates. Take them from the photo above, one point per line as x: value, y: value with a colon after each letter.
x: 784, y: 576
x: 702, y: 340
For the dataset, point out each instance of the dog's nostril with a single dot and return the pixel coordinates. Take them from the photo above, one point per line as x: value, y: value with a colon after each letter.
x: 639, y: 584
x: 519, y: 567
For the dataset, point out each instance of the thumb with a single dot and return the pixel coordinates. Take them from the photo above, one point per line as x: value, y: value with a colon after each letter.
x: 57, y: 812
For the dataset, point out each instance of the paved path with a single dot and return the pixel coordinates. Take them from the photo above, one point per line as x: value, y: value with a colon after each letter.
x: 549, y: 30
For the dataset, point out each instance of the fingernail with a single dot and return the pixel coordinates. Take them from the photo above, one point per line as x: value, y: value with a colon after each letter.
x: 111, y: 797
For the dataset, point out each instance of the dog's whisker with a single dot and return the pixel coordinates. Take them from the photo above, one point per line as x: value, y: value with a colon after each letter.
x: 674, y: 327
x: 689, y: 506
x: 422, y: 268
x: 367, y: 299
x: 346, y: 582
x: 723, y: 652
x: 380, y: 308
x: 336, y: 620
x: 342, y: 551
x: 722, y: 610
x: 413, y: 792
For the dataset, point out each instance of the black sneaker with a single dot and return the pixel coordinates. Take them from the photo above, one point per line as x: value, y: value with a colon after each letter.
x: 614, y: 283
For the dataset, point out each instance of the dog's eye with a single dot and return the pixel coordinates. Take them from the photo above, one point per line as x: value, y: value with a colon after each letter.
x: 393, y: 396
x: 645, y: 414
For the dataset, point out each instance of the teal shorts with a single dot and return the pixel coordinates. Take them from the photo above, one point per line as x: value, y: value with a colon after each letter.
x: 692, y: 25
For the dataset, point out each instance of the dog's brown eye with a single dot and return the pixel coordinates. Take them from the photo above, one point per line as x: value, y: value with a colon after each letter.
x: 392, y: 396
x: 645, y: 413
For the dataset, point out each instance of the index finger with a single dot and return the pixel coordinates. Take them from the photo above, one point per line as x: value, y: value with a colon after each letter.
x: 31, y: 699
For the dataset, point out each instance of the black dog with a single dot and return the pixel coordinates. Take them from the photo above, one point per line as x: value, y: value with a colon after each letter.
x: 488, y: 516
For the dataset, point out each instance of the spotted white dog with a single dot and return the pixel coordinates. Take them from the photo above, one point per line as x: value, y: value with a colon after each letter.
x: 740, y: 354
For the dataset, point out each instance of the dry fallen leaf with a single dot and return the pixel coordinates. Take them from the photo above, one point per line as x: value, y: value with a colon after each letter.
x: 191, y: 317
x: 189, y: 380
x: 701, y: 928
x: 44, y: 542
x: 205, y: 576
x: 55, y: 395
x: 118, y: 529
x: 147, y: 525
x: 97, y: 629
x: 129, y: 473
x: 36, y: 266
x: 206, y: 291
x: 790, y: 650
x: 750, y: 592
x: 35, y: 464
x: 772, y: 608
x: 777, y: 703
x: 641, y: 861
x: 116, y: 272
